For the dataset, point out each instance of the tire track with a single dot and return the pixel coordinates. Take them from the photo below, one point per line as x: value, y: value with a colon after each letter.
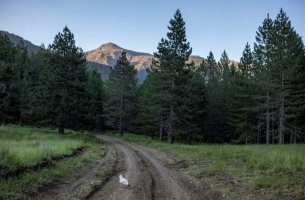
x: 149, y: 178
x: 79, y: 183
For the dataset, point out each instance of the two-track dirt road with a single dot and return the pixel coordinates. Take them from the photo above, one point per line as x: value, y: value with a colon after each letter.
x: 149, y: 178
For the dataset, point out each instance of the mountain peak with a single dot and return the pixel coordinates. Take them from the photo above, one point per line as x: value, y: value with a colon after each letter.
x: 110, y: 45
x: 109, y: 53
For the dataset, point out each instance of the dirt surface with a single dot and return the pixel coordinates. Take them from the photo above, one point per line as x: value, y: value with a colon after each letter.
x: 148, y: 176
x: 74, y: 186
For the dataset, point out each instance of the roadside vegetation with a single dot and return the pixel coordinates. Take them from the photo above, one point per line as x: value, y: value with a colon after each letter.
x: 238, y: 171
x: 23, y: 147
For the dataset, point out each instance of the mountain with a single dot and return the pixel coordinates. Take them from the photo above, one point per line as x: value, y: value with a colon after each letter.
x: 15, y: 39
x: 104, y: 57
x: 109, y: 53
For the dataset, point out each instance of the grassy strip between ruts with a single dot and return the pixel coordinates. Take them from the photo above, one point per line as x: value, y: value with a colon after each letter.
x: 22, y: 146
x: 238, y: 171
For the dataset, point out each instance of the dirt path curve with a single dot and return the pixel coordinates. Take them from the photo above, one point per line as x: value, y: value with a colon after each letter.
x: 149, y: 178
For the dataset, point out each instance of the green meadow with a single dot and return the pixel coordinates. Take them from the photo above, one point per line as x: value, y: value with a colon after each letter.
x: 22, y: 147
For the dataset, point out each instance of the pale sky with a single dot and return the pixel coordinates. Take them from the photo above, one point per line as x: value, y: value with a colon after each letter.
x: 139, y: 25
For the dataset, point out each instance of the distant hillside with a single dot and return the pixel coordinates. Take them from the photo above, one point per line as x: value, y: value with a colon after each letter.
x: 15, y: 39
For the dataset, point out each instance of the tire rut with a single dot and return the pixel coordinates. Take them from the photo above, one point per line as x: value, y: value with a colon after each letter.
x: 132, y: 168
x: 149, y: 178
x: 77, y: 184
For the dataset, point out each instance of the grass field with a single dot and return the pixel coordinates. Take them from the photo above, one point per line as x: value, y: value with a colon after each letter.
x: 22, y: 147
x: 239, y: 171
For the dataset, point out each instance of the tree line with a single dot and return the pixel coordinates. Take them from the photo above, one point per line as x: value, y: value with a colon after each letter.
x: 259, y: 100
x: 52, y: 87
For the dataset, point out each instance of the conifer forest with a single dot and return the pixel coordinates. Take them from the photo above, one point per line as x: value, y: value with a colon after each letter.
x: 259, y: 100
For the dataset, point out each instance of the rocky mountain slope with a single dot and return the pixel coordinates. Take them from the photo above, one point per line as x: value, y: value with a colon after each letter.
x: 109, y: 53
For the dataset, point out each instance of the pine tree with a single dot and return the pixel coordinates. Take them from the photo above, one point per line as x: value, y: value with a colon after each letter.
x: 37, y: 105
x: 213, y: 130
x: 279, y: 51
x: 194, y: 107
x: 122, y: 94
x: 264, y: 72
x: 93, y: 102
x: 66, y: 83
x: 243, y: 103
x: 286, y: 55
x: 170, y: 61
x: 148, y: 107
x: 225, y: 95
x: 13, y: 84
x: 7, y: 60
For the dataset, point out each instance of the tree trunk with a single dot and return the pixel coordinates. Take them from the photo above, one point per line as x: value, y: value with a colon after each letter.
x: 121, y: 118
x: 188, y: 139
x: 170, y: 127
x: 281, y: 135
x: 246, y: 136
x: 268, y: 120
x: 258, y: 125
x: 291, y: 138
x: 61, y: 128
x: 161, y: 127
x: 281, y: 125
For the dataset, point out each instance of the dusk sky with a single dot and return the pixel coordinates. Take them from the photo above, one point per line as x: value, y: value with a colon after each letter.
x: 139, y: 25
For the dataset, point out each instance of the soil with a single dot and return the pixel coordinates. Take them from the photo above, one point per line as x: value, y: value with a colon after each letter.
x: 149, y: 177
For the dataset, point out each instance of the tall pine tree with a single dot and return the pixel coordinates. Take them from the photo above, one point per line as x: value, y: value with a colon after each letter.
x: 170, y: 61
x: 67, y: 80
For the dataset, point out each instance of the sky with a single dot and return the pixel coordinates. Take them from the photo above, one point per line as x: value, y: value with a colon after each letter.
x: 139, y: 25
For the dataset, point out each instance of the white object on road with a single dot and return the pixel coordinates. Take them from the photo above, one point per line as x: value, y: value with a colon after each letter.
x: 123, y: 181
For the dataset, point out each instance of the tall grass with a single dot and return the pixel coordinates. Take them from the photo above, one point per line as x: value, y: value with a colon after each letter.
x: 22, y: 147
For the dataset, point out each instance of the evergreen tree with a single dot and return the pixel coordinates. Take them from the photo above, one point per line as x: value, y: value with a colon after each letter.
x: 212, y: 75
x: 194, y: 107
x: 225, y: 96
x: 121, y: 92
x: 148, y: 114
x: 66, y: 83
x: 287, y: 54
x: 93, y: 102
x: 170, y: 61
x: 264, y: 71
x: 13, y: 84
x: 37, y: 105
x: 7, y: 60
x: 279, y: 51
x: 243, y: 103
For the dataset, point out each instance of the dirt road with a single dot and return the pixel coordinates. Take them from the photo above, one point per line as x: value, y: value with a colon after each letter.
x: 148, y: 176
